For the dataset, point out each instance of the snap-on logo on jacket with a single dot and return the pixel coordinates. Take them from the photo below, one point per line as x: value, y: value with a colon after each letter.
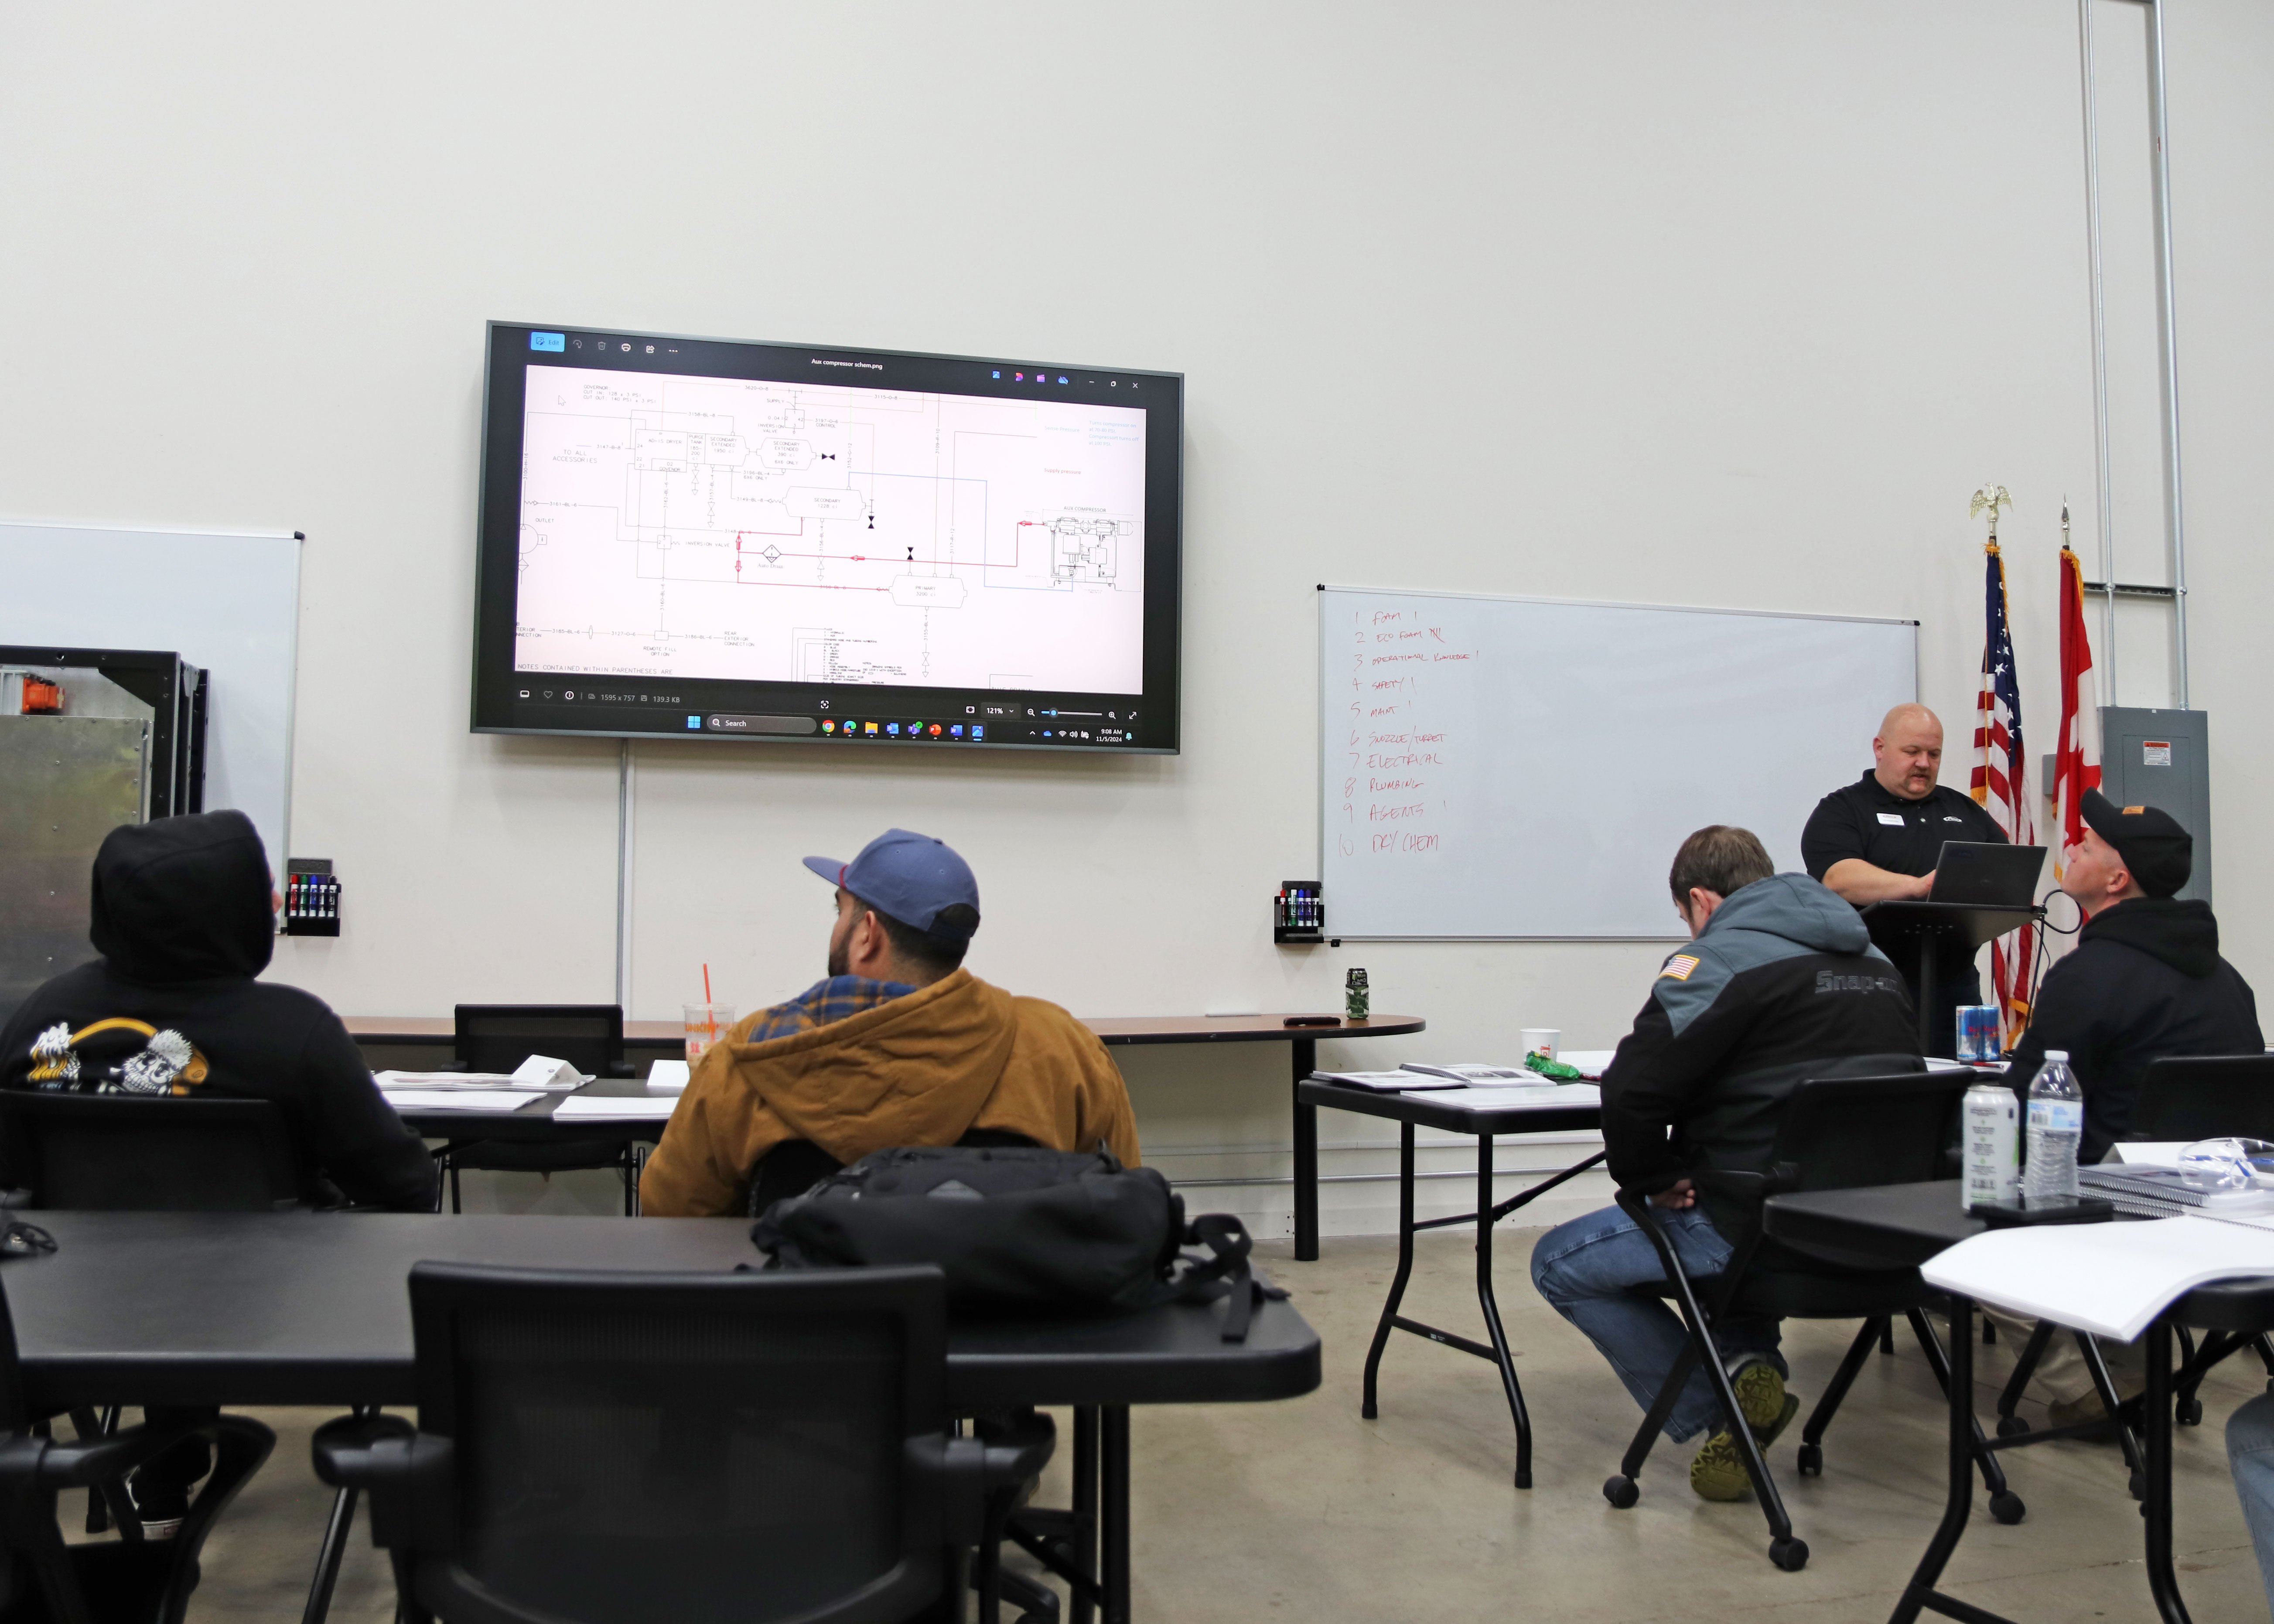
x: 1827, y: 982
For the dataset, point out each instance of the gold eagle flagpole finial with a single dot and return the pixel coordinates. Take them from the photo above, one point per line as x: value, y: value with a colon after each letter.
x: 1992, y: 497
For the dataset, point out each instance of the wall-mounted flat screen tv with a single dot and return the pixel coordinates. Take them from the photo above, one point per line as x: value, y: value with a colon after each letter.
x: 852, y: 548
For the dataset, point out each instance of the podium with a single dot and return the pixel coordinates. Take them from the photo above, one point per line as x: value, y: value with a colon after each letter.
x: 1938, y: 928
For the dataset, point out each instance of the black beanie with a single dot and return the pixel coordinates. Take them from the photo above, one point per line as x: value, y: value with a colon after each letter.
x: 2159, y: 852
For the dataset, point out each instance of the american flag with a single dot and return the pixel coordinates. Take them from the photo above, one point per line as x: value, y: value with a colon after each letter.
x: 2002, y: 787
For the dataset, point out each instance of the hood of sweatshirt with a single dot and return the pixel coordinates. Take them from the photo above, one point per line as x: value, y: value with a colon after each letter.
x: 184, y: 899
x: 2183, y: 935
x: 1796, y: 908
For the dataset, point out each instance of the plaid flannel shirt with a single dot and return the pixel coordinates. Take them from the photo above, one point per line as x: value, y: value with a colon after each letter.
x: 837, y: 998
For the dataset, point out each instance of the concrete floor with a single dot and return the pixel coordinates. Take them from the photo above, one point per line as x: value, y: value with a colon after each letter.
x: 1301, y: 1510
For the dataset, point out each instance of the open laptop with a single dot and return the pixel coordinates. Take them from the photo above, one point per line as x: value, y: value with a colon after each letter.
x: 1987, y: 873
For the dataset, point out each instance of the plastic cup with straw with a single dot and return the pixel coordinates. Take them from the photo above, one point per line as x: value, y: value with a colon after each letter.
x: 705, y: 1020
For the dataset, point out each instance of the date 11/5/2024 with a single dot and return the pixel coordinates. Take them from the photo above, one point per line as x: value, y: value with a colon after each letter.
x: 1389, y: 755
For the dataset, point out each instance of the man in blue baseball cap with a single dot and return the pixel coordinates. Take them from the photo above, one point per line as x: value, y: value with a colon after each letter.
x: 899, y: 1045
x: 907, y: 908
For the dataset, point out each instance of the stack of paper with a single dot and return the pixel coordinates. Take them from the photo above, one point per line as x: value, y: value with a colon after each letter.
x: 666, y: 1076
x: 1589, y: 1062
x: 389, y: 1082
x: 614, y: 1108
x: 1473, y: 1072
x: 1384, y: 1082
x: 2111, y: 1279
x: 468, y: 1081
x: 460, y: 1098
x: 1546, y: 1097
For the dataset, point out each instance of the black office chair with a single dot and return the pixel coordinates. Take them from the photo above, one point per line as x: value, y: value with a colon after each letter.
x: 794, y: 1167
x: 150, y: 1153
x: 1837, y: 1133
x: 605, y: 1447
x: 127, y: 1580
x: 132, y: 1152
x: 497, y: 1037
x: 2206, y: 1097
x: 2182, y: 1098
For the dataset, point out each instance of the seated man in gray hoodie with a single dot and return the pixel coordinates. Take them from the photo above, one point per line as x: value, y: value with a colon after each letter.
x: 1779, y: 983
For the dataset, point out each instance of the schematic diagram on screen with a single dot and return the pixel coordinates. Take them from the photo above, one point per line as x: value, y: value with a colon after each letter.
x: 1084, y: 548
x: 707, y: 527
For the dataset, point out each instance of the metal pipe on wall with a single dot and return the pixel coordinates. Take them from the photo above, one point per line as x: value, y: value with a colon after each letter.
x: 2107, y: 661
x: 625, y: 803
x: 2169, y: 345
x: 2171, y: 335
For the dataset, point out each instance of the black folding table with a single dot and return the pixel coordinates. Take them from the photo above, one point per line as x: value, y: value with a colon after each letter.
x: 1908, y: 1224
x: 1543, y: 1112
x: 533, y: 1122
x: 314, y: 1308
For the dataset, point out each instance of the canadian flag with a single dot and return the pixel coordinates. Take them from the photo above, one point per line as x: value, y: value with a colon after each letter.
x: 2076, y: 757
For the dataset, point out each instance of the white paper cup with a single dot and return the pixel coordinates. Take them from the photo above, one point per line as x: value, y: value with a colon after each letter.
x: 1541, y: 1041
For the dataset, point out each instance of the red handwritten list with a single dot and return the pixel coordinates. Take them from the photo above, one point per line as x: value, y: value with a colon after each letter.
x: 1394, y: 802
x: 1493, y: 768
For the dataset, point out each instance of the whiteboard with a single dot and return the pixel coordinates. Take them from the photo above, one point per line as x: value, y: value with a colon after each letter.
x: 1513, y: 767
x: 229, y: 602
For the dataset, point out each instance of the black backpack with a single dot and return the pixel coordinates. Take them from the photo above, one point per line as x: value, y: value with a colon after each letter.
x: 1019, y: 1227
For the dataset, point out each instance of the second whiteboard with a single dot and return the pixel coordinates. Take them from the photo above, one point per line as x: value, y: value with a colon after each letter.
x: 1505, y: 767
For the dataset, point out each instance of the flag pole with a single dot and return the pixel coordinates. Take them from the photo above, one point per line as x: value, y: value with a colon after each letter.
x: 2001, y: 775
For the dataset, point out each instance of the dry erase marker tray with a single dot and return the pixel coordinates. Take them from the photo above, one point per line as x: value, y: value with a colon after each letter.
x: 1299, y: 913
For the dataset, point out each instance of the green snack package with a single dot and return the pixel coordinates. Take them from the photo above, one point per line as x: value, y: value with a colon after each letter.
x: 1554, y: 1070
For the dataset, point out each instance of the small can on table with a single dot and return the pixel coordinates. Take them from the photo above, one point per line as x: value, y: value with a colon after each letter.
x: 1991, y: 1136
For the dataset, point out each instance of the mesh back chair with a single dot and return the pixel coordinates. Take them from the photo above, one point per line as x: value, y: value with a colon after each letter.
x: 133, y: 1578
x: 2206, y: 1097
x: 497, y: 1037
x: 794, y: 1167
x: 1842, y: 1133
x: 131, y: 1153
x: 2182, y: 1098
x: 674, y: 1448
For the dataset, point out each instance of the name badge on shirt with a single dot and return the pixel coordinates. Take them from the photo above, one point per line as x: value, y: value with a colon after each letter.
x: 1896, y: 818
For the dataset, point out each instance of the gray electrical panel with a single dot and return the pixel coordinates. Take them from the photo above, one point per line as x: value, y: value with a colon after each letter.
x: 71, y: 780
x: 2162, y: 758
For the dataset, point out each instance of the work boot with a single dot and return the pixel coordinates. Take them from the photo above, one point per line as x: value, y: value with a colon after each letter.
x: 159, y: 1508
x: 2087, y: 1410
x: 1717, y: 1470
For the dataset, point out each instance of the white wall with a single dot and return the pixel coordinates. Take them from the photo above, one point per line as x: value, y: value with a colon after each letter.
x: 1713, y: 304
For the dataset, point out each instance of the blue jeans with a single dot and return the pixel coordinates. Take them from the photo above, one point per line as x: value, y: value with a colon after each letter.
x: 2250, y: 1455
x: 1590, y: 1271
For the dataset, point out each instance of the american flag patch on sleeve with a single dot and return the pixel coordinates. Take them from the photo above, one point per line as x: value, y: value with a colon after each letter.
x: 1679, y: 967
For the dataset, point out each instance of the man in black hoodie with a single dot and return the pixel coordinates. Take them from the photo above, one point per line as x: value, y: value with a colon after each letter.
x: 2144, y: 982
x: 183, y: 918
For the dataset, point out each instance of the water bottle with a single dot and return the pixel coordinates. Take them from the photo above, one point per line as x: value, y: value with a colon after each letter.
x: 2056, y: 1126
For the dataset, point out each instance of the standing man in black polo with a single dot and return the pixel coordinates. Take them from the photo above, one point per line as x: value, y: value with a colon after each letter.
x: 1878, y: 838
